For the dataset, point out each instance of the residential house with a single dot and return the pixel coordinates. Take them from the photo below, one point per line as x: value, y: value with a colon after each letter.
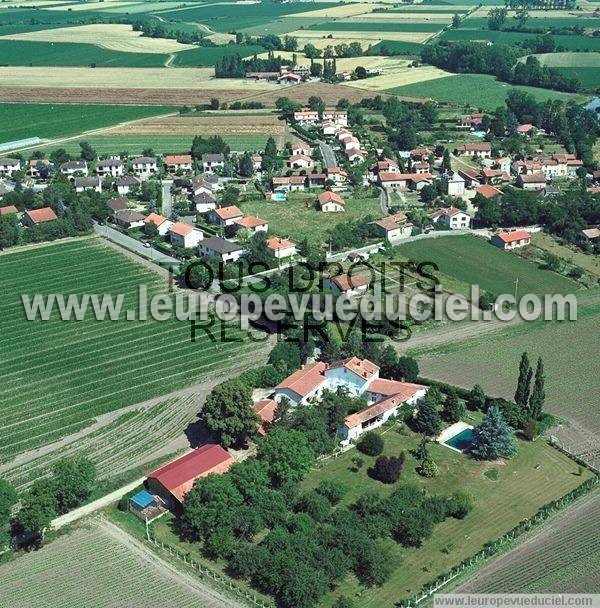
x: 472, y: 177
x: 355, y: 155
x: 252, y: 223
x: 306, y: 117
x: 72, y: 167
x: 125, y: 184
x: 590, y: 234
x: 178, y: 162
x: 394, y: 227
x: 281, y: 248
x: 354, y: 374
x: 184, y: 235
x: 109, y: 166
x: 207, y: 183
x: 302, y: 385
x: 482, y: 150
x: 338, y: 117
x: 316, y: 180
x: 488, y: 191
x: 262, y: 76
x: 225, y: 216
x: 494, y: 176
x: 266, y: 409
x: 174, y: 480
x: 33, y: 217
x: 39, y: 167
x: 337, y: 175
x: 211, y: 162
x: 503, y: 163
x: 118, y: 203
x: 533, y: 181
x: 8, y: 166
x: 289, y: 78
x: 256, y: 162
x: 417, y: 181
x: 144, y: 165
x: 348, y: 285
x: 128, y: 218
x: 161, y: 223
x: 301, y: 148
x: 88, y: 183
x: 216, y: 247
x: 204, y: 202
x: 471, y: 121
x: 511, y: 240
x: 454, y: 183
x: 452, y: 218
x: 300, y: 161
x: 350, y: 143
x: 329, y: 128
x: 526, y: 129
x: 419, y: 167
x: 417, y: 154
x: 394, y: 181
x: 330, y: 202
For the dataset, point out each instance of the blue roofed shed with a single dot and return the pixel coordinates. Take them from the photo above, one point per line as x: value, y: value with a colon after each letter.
x: 142, y: 499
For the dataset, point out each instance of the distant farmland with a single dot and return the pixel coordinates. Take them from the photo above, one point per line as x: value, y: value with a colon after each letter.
x: 46, y: 121
x: 57, y: 376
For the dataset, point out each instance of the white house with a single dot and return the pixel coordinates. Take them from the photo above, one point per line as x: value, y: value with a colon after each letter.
x: 126, y: 183
x: 88, y: 183
x: 74, y: 166
x: 144, y: 165
x: 9, y: 165
x: 454, y: 184
x: 281, y: 248
x: 482, y: 150
x: 302, y: 385
x: 215, y: 247
x: 225, y: 216
x: 253, y: 223
x: 184, y: 235
x: 452, y: 218
x: 300, y: 147
x: 204, y: 202
x: 37, y: 166
x: 128, y: 218
x: 210, y: 162
x: 511, y: 240
x: 354, y: 374
x: 177, y: 162
x: 299, y: 161
x: 338, y: 117
x: 330, y: 202
x: 394, y: 227
x: 348, y: 285
x: 110, y: 166
x: 162, y: 223
x: 306, y: 117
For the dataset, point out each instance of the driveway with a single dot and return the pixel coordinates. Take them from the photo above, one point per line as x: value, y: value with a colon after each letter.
x: 329, y: 158
x: 167, y: 198
x: 136, y: 246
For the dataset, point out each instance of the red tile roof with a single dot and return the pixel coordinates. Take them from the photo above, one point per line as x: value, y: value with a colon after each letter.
x: 346, y: 282
x: 305, y: 380
x: 265, y: 408
x: 488, y: 191
x: 155, y: 219
x: 252, y: 221
x: 179, y: 475
x: 181, y: 228
x: 515, y: 235
x: 275, y: 243
x: 39, y: 216
x: 226, y: 213
x: 361, y: 367
x: 330, y: 197
x: 178, y: 159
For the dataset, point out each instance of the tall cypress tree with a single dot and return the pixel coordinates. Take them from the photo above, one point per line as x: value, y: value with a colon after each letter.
x: 538, y: 395
x: 524, y: 382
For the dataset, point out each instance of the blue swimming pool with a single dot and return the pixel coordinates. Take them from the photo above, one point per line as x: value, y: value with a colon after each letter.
x: 461, y: 441
x: 278, y: 196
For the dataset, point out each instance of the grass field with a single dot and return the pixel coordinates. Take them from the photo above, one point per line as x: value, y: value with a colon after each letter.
x: 499, y: 506
x: 400, y: 77
x: 477, y: 90
x: 563, y: 557
x: 467, y: 260
x: 113, y: 36
x: 397, y: 47
x: 57, y: 376
x: 584, y: 66
x: 20, y: 121
x: 91, y: 567
x: 297, y: 217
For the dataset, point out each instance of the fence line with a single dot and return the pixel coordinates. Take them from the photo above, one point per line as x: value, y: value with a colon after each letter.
x: 207, y: 572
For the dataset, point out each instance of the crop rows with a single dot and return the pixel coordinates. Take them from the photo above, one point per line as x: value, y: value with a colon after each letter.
x: 57, y: 376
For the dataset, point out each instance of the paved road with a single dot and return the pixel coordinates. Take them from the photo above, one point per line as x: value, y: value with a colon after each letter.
x: 137, y: 247
x: 167, y: 198
x: 328, y: 155
x: 383, y: 201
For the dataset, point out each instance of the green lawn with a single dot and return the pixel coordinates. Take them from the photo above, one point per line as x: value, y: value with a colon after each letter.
x: 478, y: 90
x: 56, y: 376
x: 47, y: 121
x: 467, y: 260
x: 298, y: 218
x: 34, y: 53
x: 499, y: 506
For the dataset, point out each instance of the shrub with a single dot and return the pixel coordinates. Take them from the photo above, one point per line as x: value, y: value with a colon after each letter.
x: 428, y: 468
x: 460, y: 504
x: 371, y: 444
x: 332, y: 490
x: 387, y: 469
x: 313, y: 504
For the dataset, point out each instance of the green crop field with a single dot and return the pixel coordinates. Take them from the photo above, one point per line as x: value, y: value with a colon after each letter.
x: 518, y: 492
x: 230, y: 17
x: 27, y: 52
x: 470, y: 260
x: 362, y: 26
x: 542, y: 22
x: 569, y: 42
x: 161, y: 144
x: 589, y: 77
x: 208, y: 56
x: 479, y: 90
x: 20, y: 121
x: 298, y: 218
x: 397, y: 47
x: 91, y: 567
x: 56, y: 376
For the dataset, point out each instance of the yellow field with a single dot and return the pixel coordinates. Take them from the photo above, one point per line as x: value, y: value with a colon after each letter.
x: 344, y: 10
x: 116, y: 37
x: 89, y: 6
x: 221, y: 38
x: 127, y: 78
x: 321, y: 40
x: 399, y: 77
x: 350, y: 63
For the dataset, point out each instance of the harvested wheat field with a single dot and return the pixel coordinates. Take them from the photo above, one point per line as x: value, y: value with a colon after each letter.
x: 399, y: 77
x: 321, y: 39
x: 407, y: 17
x: 213, y: 124
x: 114, y: 36
x: 127, y: 78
